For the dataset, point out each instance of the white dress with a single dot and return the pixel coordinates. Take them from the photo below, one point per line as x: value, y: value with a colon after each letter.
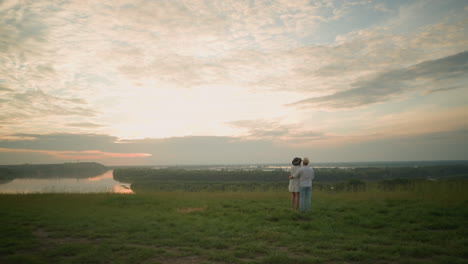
x: 294, y: 183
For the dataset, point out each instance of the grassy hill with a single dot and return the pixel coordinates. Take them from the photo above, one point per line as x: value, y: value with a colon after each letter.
x: 235, y: 227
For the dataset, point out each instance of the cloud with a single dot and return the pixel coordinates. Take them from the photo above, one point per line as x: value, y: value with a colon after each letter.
x: 382, y: 8
x: 279, y: 133
x: 64, y: 142
x: 16, y: 138
x: 78, y: 155
x: 17, y: 107
x: 22, y: 29
x: 104, y: 148
x: 74, y: 65
x: 428, y: 146
x: 178, y: 71
x: 4, y: 89
x: 321, y: 69
x: 184, y: 44
x: 388, y: 85
x: 84, y: 125
x: 418, y: 122
x: 446, y: 89
x: 52, y: 148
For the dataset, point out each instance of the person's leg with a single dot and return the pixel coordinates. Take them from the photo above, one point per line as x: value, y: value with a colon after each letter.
x: 293, y: 199
x: 307, y: 198
x: 296, y: 207
x: 302, y: 194
x: 310, y: 199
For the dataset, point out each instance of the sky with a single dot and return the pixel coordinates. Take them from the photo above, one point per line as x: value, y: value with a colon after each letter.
x: 128, y: 82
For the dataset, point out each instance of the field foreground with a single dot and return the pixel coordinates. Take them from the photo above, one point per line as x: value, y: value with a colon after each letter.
x: 232, y: 227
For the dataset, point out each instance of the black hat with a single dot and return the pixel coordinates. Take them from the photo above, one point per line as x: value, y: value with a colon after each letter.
x: 296, y: 161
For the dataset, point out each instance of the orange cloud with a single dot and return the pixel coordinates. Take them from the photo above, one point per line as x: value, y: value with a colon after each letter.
x: 74, y: 155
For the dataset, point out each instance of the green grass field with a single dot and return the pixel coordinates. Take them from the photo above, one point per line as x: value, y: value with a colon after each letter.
x: 424, y: 226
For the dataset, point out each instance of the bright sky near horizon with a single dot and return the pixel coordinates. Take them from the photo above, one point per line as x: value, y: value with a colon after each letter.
x: 128, y: 82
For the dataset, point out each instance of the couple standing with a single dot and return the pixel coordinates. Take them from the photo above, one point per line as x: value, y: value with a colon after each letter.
x: 300, y: 184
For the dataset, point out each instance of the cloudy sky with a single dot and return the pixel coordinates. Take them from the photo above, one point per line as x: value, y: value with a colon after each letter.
x: 127, y: 82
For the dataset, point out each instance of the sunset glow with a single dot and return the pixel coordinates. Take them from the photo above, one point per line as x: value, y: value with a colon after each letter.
x: 196, y: 82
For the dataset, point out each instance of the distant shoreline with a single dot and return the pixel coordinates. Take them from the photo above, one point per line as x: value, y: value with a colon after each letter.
x: 317, y: 164
x: 269, y: 164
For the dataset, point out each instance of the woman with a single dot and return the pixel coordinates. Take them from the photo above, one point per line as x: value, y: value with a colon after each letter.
x: 294, y: 184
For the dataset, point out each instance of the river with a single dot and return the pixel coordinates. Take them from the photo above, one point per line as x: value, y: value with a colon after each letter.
x: 103, y: 183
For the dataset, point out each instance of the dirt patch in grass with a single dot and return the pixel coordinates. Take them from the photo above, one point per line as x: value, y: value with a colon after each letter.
x: 171, y: 252
x: 191, y: 210
x: 178, y: 260
x: 41, y: 233
x: 47, y: 238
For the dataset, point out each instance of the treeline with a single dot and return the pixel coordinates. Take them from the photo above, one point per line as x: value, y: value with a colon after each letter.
x: 326, y: 179
x: 65, y: 170
x: 145, y: 179
x: 322, y: 175
x: 146, y: 174
x: 207, y: 186
x: 331, y: 175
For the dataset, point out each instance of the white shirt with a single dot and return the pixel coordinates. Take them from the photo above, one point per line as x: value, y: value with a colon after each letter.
x: 305, y: 175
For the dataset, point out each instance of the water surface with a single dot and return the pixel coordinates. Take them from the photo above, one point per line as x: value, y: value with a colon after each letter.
x: 103, y: 183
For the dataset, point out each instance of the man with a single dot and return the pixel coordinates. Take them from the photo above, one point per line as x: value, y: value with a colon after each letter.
x: 305, y: 174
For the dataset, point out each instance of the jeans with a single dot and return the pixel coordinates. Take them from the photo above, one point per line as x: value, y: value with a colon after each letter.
x: 305, y: 197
